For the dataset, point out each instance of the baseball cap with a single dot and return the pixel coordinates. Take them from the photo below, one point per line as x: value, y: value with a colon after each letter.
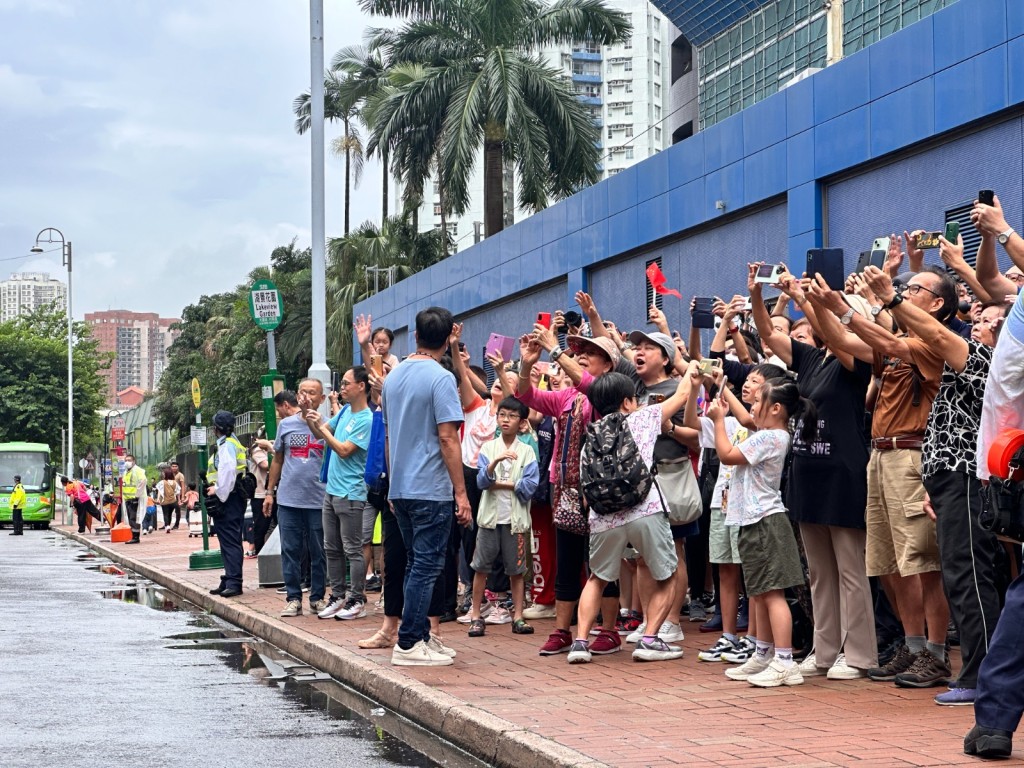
x: 657, y: 338
x: 224, y: 420
x: 603, y: 343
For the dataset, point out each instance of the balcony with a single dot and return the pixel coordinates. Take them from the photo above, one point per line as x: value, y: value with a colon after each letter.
x: 593, y: 101
x: 586, y: 55
x: 580, y: 77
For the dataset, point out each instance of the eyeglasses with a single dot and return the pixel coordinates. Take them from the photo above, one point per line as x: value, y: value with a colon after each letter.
x: 915, y: 288
x: 1015, y: 277
x: 346, y: 383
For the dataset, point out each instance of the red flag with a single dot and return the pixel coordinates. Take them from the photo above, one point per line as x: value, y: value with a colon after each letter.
x: 657, y: 280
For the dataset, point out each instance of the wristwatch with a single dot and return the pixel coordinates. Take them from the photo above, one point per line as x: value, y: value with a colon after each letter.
x: 876, y: 310
x: 1003, y: 237
x: 555, y: 353
x: 896, y: 300
x: 847, y: 316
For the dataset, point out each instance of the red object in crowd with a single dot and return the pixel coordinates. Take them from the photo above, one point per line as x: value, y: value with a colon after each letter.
x: 1002, y: 451
x: 658, y: 280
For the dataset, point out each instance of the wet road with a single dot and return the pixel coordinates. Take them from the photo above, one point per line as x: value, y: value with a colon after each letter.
x: 89, y: 679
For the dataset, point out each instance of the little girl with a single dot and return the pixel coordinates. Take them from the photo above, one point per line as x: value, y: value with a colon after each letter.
x: 192, y: 515
x: 767, y: 546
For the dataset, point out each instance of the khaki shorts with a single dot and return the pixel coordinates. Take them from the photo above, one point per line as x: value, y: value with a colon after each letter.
x: 650, y: 536
x: 901, y: 536
x: 723, y: 540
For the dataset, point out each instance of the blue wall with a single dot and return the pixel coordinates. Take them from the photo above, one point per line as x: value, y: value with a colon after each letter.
x: 944, y: 73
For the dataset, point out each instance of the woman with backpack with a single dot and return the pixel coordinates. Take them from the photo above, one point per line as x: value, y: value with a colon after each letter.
x: 167, y: 497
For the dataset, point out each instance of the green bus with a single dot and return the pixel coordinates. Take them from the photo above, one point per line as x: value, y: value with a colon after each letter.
x: 32, y: 462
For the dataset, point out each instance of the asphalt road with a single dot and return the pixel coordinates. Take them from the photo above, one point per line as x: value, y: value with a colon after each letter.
x: 88, y: 679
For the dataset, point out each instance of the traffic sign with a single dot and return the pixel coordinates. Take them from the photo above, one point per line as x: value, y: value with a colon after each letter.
x: 84, y: 463
x: 117, y: 433
x: 265, y: 305
x: 197, y: 396
x: 198, y: 436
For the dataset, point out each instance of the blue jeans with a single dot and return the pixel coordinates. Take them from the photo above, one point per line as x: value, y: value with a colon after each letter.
x: 294, y: 521
x: 425, y: 526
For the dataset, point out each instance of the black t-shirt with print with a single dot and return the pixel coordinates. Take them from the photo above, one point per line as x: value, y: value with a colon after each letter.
x: 951, y: 437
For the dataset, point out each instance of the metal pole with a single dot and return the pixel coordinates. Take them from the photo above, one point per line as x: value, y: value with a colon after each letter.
x: 271, y: 351
x: 319, y: 369
x: 71, y: 402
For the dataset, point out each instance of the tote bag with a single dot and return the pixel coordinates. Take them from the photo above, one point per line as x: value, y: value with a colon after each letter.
x: 679, y: 491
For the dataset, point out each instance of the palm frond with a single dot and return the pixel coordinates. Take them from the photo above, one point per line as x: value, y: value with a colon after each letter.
x: 573, y: 21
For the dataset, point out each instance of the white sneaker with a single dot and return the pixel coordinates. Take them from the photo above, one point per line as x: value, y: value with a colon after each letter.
x: 437, y: 646
x: 420, y: 655
x: 777, y: 674
x: 843, y: 671
x: 498, y: 616
x: 809, y: 667
x: 637, y: 634
x: 539, y: 611
x: 354, y: 609
x: 294, y: 608
x: 751, y: 666
x: 485, y: 611
x: 671, y: 633
x: 334, y: 605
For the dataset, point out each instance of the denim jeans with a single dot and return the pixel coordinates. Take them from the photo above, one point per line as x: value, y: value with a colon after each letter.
x: 294, y: 522
x: 425, y: 526
x: 343, y: 541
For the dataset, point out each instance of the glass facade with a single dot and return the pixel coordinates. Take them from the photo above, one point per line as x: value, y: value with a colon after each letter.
x: 754, y: 57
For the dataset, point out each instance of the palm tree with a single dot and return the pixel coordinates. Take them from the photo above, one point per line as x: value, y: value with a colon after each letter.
x: 478, y: 81
x: 337, y: 106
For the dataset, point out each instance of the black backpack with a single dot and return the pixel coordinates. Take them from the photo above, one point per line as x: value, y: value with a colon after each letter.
x: 613, y: 474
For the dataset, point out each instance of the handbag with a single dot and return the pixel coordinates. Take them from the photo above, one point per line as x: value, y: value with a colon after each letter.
x: 679, y: 491
x: 567, y: 509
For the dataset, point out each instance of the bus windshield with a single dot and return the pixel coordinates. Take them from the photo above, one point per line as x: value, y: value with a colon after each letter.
x: 30, y: 465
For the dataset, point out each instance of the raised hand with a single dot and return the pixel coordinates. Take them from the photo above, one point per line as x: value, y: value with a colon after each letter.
x: 363, y: 327
x: 752, y: 285
x: 989, y: 219
x: 497, y: 363
x: 894, y: 258
x: 586, y: 303
x: 529, y: 349
x: 880, y: 284
x: 545, y: 337
x: 952, y: 254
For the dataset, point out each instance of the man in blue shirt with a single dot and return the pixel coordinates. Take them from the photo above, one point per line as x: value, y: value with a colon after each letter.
x: 422, y: 414
x: 348, y: 436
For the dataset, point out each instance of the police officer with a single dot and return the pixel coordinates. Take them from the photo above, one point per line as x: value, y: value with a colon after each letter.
x: 133, y: 493
x: 18, y: 500
x: 228, y: 465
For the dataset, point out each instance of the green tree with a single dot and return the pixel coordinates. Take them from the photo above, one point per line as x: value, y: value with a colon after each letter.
x: 33, y: 380
x: 480, y: 82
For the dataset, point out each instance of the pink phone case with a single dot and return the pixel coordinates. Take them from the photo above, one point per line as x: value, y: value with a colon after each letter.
x: 501, y: 345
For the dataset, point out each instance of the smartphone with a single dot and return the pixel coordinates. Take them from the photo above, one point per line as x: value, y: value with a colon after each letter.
x: 653, y: 399
x: 768, y: 273
x: 336, y: 381
x: 501, y: 345
x: 987, y: 197
x: 928, y: 240
x: 544, y: 318
x: 377, y: 365
x: 702, y: 316
x: 952, y: 231
x: 708, y: 365
x: 827, y: 262
x: 879, y: 252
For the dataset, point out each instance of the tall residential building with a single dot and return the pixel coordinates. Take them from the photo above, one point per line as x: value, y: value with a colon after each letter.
x: 750, y: 49
x: 139, y: 341
x: 625, y: 88
x: 26, y: 292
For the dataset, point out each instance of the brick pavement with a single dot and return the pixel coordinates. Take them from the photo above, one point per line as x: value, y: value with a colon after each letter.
x: 632, y: 714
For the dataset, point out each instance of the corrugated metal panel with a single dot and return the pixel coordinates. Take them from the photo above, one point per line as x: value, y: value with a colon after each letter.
x: 711, y: 263
x: 915, y: 192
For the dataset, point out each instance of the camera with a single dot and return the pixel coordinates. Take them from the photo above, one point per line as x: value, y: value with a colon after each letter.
x: 572, y: 319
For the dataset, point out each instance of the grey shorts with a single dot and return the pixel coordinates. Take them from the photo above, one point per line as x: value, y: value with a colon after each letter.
x: 369, y: 522
x: 769, y: 554
x: 500, y: 542
x: 650, y: 536
x: 723, y: 540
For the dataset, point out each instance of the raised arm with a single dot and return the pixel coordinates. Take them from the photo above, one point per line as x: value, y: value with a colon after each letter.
x: 499, y: 371
x: 989, y: 219
x: 952, y: 255
x: 467, y: 394
x: 826, y: 303
x: 586, y: 303
x: 547, y: 340
x: 779, y: 342
x: 364, y: 327
x: 951, y: 346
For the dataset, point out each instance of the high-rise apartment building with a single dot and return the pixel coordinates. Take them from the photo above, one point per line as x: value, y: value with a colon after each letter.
x: 625, y: 88
x: 26, y: 292
x: 749, y: 49
x: 139, y: 341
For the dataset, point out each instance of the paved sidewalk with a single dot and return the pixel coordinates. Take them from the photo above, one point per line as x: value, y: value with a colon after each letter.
x: 612, y: 711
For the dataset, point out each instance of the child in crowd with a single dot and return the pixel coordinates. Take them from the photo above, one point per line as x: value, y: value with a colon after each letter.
x: 723, y: 541
x: 507, y: 476
x: 192, y: 516
x: 766, y: 543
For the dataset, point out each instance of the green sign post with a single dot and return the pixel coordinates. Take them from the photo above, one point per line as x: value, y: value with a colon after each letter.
x: 267, y: 311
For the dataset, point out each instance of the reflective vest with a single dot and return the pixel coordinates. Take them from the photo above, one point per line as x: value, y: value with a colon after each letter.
x: 240, y: 464
x: 129, y: 482
x: 18, y: 497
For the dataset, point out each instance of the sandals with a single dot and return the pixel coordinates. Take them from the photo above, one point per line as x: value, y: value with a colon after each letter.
x: 379, y: 639
x: 520, y: 627
x: 477, y: 628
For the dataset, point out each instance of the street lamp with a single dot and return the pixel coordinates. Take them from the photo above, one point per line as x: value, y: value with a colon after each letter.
x: 65, y: 249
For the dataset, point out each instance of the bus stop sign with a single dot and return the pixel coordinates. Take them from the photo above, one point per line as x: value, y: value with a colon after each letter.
x: 265, y: 305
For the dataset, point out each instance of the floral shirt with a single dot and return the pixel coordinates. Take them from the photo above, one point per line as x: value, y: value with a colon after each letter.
x: 951, y: 437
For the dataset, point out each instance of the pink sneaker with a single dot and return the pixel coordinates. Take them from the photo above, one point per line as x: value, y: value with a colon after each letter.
x: 606, y: 642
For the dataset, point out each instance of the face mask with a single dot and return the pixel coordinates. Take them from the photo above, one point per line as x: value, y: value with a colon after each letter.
x: 129, y: 464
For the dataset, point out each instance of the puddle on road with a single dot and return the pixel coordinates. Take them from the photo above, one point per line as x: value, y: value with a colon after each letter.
x: 108, y: 568
x: 150, y: 596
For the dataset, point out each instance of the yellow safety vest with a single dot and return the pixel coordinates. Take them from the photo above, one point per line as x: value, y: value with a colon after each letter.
x: 18, y: 497
x: 128, y: 489
x: 240, y: 465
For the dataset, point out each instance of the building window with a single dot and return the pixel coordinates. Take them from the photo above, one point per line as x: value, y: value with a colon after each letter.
x: 609, y: 132
x: 628, y: 43
x: 628, y: 65
x: 629, y: 131
x: 657, y: 134
x: 629, y: 87
x: 437, y: 209
x: 657, y: 112
x: 657, y: 69
x: 629, y: 153
x: 629, y: 109
x: 657, y: 90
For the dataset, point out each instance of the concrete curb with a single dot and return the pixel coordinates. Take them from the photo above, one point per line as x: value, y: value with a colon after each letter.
x: 493, y: 739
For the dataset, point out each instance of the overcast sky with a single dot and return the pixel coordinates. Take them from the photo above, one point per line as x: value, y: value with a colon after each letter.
x: 159, y: 137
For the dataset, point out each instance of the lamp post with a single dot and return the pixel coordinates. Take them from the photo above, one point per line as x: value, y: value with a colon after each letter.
x: 65, y: 250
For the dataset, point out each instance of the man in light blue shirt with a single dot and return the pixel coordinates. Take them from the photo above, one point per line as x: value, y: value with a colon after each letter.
x: 348, y: 437
x: 422, y: 414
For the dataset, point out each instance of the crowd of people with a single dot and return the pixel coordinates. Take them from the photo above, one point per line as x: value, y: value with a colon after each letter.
x: 807, y: 489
